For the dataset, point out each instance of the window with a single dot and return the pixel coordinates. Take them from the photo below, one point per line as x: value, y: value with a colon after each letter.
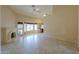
x: 20, y: 28
x: 35, y: 27
x: 42, y: 26
x: 29, y: 27
x: 25, y: 27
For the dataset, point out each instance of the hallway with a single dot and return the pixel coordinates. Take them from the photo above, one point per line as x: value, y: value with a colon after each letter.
x: 39, y: 44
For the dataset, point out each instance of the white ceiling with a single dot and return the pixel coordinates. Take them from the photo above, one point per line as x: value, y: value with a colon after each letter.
x: 28, y: 10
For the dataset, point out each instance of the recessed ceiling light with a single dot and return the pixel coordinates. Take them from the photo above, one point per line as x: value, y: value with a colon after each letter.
x: 44, y: 15
x: 37, y: 9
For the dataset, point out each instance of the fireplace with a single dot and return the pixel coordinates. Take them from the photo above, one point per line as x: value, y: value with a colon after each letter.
x: 13, y: 35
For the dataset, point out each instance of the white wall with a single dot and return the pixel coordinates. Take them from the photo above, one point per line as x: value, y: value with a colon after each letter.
x: 63, y: 23
x: 8, y: 18
x: 78, y: 26
x: 0, y: 24
x: 8, y: 21
x: 0, y: 29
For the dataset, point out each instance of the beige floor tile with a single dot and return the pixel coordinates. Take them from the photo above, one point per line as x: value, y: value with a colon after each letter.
x: 38, y: 44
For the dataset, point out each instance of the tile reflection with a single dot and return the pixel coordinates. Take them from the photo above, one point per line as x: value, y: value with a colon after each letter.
x: 38, y: 43
x: 31, y: 39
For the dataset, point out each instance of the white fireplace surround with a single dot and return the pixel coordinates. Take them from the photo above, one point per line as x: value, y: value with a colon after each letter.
x: 9, y: 36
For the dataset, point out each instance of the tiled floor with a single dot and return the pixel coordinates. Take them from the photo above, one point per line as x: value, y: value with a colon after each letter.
x: 38, y: 44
